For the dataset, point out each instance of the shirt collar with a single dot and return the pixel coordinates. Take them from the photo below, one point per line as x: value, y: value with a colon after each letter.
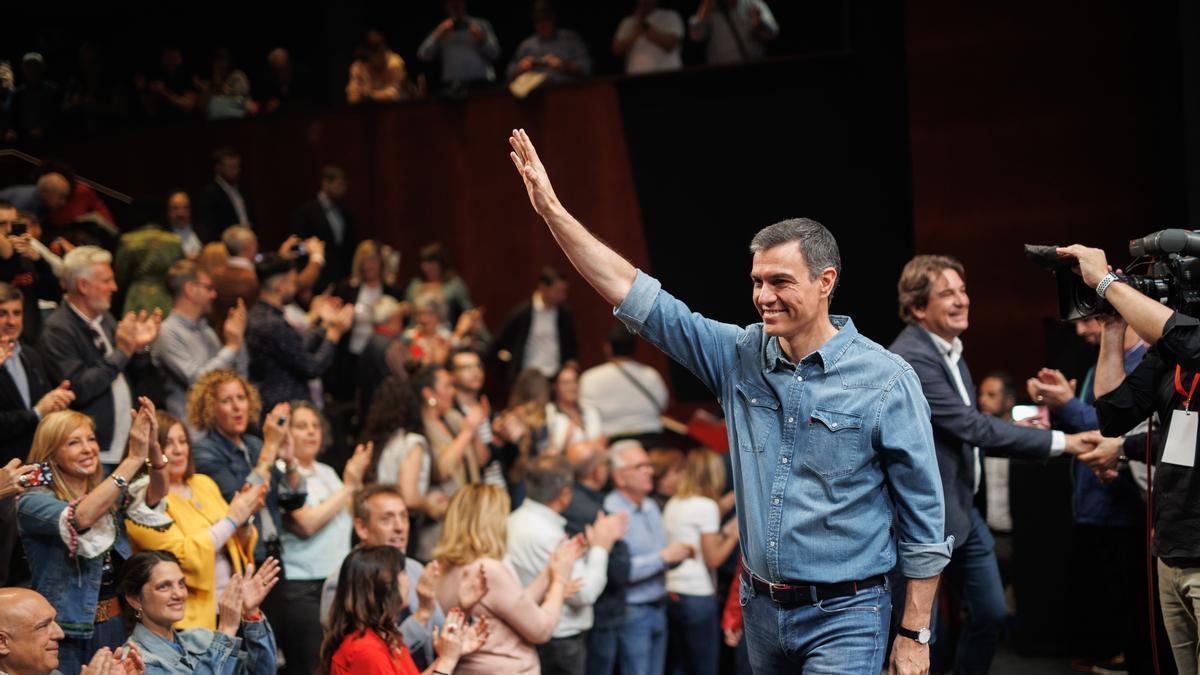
x: 952, y: 350
x: 96, y: 323
x: 326, y: 202
x: 827, y: 354
x: 542, y: 511
x: 239, y: 262
x: 16, y: 354
x: 539, y: 305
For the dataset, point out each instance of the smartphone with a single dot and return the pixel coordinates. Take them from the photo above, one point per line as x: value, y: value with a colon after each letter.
x: 19, y: 228
x: 40, y: 476
x: 1024, y: 412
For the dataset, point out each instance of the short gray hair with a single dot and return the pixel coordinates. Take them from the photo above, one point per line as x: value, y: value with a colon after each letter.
x: 817, y: 244
x: 79, y: 262
x: 237, y: 238
x: 617, y: 449
x: 546, y: 476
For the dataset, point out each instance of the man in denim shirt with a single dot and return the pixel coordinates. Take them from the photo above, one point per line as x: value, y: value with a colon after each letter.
x: 830, y: 439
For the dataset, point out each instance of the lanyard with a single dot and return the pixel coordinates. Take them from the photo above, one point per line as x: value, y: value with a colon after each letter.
x: 1187, y: 401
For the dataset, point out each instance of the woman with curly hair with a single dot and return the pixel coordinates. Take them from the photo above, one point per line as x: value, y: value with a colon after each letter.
x: 73, y: 526
x: 211, y: 539
x: 222, y: 405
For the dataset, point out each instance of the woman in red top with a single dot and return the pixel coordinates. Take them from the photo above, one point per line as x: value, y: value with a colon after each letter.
x: 364, y: 634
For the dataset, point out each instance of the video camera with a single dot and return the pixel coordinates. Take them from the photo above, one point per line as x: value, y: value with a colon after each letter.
x: 1174, y: 278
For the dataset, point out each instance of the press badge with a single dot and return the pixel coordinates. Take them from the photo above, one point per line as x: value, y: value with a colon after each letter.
x: 1181, y: 439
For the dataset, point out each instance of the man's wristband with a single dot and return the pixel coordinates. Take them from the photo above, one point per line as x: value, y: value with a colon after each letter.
x: 1107, y: 281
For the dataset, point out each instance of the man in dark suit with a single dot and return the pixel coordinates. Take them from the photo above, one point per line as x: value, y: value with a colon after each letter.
x: 84, y: 344
x: 934, y: 303
x: 25, y: 397
x: 223, y: 201
x: 540, y: 332
x: 327, y: 219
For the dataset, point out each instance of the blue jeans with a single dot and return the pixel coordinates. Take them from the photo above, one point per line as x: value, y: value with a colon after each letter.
x: 695, y: 634
x: 642, y: 640
x: 836, y: 636
x: 983, y: 600
x: 602, y: 651
x: 75, y: 653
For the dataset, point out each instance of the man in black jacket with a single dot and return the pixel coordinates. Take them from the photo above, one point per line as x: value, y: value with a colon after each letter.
x: 935, y: 305
x: 327, y: 219
x: 84, y: 344
x: 540, y: 332
x: 589, y: 460
x: 223, y: 200
x: 26, y: 397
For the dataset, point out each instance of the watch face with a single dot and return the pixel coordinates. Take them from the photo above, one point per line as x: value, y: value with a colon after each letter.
x: 924, y: 635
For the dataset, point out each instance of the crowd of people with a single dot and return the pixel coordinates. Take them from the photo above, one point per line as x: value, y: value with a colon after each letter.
x: 462, y: 53
x: 167, y: 509
x: 207, y: 527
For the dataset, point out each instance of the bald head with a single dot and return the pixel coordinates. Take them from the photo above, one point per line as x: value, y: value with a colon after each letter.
x: 29, y: 635
x: 53, y: 189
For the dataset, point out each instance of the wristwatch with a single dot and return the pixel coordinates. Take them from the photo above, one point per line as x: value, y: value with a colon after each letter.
x: 1105, y: 283
x: 922, y: 636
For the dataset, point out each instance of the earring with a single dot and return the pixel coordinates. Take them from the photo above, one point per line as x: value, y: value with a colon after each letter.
x: 137, y: 613
x: 431, y: 401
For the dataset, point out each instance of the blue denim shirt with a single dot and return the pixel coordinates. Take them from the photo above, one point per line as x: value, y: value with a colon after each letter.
x: 205, y: 652
x: 827, y: 454
x: 71, y: 584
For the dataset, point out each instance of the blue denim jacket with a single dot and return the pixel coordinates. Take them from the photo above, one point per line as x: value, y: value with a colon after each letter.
x: 70, y: 584
x: 204, y: 652
x: 219, y: 459
x: 827, y: 454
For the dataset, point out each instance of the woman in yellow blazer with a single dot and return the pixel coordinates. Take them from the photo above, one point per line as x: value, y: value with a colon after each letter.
x: 212, y: 539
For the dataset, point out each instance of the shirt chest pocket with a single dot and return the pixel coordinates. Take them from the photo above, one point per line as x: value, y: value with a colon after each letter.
x: 759, y: 427
x: 833, y: 442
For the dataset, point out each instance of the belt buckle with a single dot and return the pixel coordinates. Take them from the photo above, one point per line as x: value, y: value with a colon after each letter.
x: 771, y: 588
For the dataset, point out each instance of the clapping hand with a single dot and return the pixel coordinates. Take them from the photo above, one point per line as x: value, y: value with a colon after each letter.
x: 357, y: 465
x: 456, y: 639
x: 258, y: 584
x: 143, y: 432
x: 10, y: 477
x: 235, y: 325
x: 426, y: 590
x: 229, y: 606
x: 472, y: 587
x: 105, y: 661
x: 136, y: 331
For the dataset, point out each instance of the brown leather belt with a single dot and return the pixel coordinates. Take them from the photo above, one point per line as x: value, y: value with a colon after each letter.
x: 107, y: 609
x: 790, y: 594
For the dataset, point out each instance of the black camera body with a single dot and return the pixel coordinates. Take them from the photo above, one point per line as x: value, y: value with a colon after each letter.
x: 1173, y: 279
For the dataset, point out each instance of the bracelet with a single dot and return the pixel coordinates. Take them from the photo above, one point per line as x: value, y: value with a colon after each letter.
x: 160, y: 466
x: 256, y: 616
x: 120, y: 482
x: 1102, y: 287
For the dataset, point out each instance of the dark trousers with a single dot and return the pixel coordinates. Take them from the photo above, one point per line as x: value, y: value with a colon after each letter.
x: 974, y: 569
x: 1114, y: 621
x: 297, y: 623
x: 564, y: 656
x: 602, y: 650
x: 693, y: 634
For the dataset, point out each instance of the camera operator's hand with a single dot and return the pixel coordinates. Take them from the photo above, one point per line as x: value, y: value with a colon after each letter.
x: 1082, y: 442
x: 1092, y: 263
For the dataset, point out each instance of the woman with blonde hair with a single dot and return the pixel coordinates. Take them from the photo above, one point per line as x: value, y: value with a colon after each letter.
x: 693, y: 517
x: 72, y: 524
x: 363, y: 290
x: 474, y: 542
x: 212, y: 539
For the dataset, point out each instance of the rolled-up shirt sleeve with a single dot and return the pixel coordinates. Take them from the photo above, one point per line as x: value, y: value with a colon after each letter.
x: 905, y: 439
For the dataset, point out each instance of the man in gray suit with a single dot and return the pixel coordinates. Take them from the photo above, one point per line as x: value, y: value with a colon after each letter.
x: 935, y: 305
